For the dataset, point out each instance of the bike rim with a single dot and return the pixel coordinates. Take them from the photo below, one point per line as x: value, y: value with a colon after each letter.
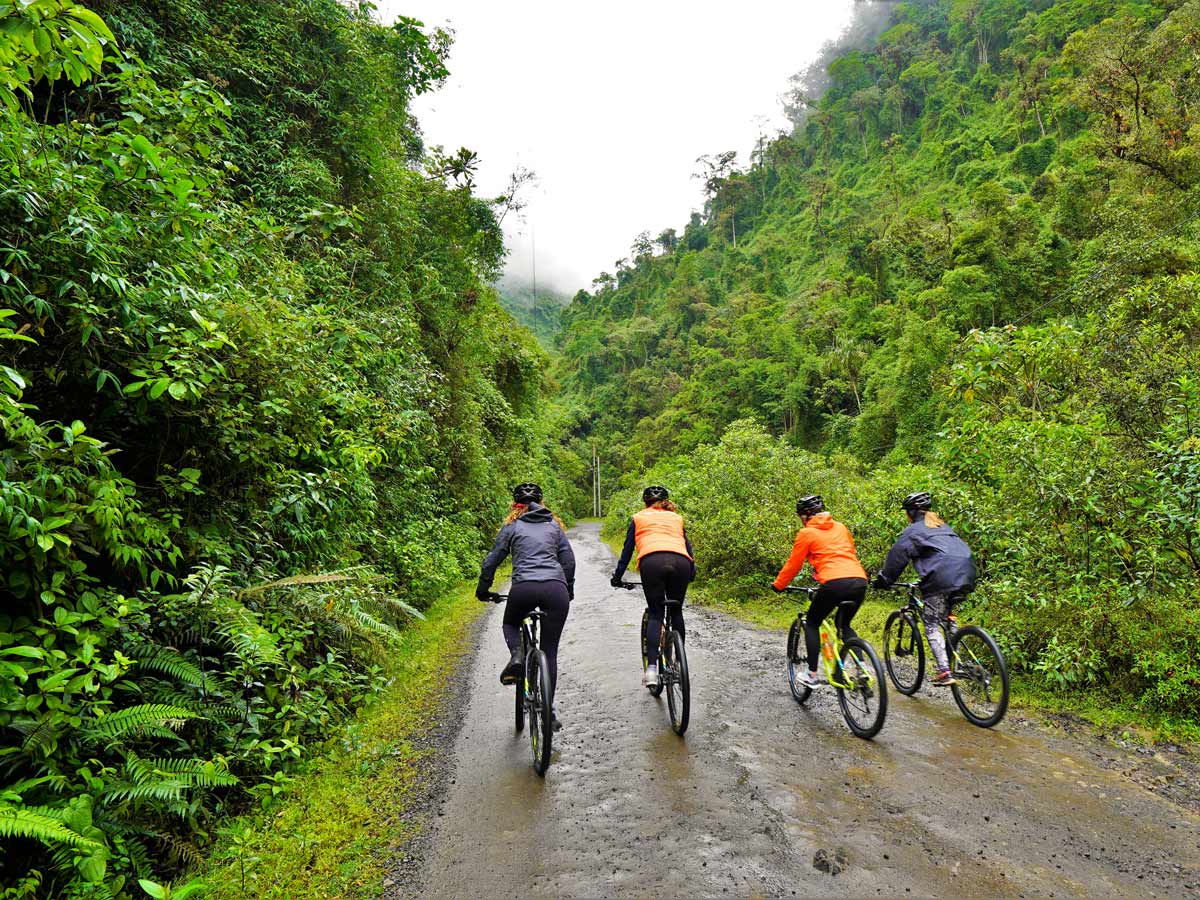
x: 979, y: 688
x: 901, y: 653
x: 860, y: 702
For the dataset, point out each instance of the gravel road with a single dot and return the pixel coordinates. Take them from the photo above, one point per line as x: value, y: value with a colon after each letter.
x: 741, y: 805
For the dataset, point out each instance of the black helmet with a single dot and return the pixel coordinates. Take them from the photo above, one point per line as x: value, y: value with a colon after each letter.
x: 920, y: 500
x: 810, y: 505
x: 527, y: 492
x: 654, y: 493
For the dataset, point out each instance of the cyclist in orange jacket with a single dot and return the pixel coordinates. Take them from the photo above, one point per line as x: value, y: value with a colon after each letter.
x: 665, y: 562
x: 829, y: 547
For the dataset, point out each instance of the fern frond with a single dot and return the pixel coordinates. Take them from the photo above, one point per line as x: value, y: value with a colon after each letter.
x: 368, y: 623
x: 398, y: 604
x: 162, y: 790
x: 40, y: 735
x: 241, y: 628
x: 166, y: 661
x: 40, y: 824
x: 145, y: 718
x: 57, y: 783
x: 201, y: 773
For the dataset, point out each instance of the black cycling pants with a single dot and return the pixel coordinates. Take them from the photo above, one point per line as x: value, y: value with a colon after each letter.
x: 665, y: 575
x: 551, y: 598
x: 831, y: 593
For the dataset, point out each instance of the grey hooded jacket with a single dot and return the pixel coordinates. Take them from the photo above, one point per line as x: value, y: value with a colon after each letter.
x: 540, y: 551
x: 941, y: 558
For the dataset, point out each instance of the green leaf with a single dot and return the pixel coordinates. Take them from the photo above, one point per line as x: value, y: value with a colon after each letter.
x: 153, y: 888
x: 178, y: 390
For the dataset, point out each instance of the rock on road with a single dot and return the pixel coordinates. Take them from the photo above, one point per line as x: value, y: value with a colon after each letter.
x: 932, y: 807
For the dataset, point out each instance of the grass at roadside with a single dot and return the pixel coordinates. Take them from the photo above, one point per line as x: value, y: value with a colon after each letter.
x: 333, y: 833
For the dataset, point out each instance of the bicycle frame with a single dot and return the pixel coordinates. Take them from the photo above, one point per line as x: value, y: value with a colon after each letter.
x: 832, y: 634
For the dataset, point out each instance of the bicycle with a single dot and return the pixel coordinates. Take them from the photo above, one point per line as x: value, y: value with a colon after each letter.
x: 976, y: 663
x: 852, y: 667
x: 532, y: 696
x: 673, y: 676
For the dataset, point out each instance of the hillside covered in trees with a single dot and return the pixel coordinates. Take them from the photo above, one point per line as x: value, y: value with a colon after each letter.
x: 259, y: 406
x: 971, y: 268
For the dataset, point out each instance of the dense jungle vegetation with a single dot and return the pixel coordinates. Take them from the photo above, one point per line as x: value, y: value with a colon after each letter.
x: 259, y: 406
x: 971, y: 268
x: 260, y: 403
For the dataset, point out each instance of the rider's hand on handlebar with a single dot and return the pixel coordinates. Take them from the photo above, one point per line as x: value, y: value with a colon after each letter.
x: 777, y: 590
x: 616, y: 582
x: 880, y: 583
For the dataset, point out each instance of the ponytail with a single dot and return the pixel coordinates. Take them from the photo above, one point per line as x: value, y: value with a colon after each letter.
x: 933, y: 520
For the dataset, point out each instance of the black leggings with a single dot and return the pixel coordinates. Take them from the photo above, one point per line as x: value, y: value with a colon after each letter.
x: 833, y: 592
x: 551, y: 598
x: 665, y: 575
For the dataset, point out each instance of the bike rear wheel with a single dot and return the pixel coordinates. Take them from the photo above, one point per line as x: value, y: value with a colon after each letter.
x: 654, y: 689
x: 797, y: 661
x: 981, y: 676
x: 540, y: 724
x: 519, y: 693
x: 677, y: 681
x: 864, y: 703
x: 904, y: 652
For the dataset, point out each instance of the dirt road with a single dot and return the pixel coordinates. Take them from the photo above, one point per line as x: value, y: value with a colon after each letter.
x: 932, y: 807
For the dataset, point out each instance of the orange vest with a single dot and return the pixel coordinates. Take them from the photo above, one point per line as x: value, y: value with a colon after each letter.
x: 658, y: 530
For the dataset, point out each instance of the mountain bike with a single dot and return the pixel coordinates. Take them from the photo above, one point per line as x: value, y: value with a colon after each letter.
x: 532, y: 697
x: 976, y: 663
x: 673, y: 674
x: 851, y: 666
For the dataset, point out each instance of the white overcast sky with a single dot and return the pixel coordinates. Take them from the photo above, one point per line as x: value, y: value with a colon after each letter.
x: 610, y: 104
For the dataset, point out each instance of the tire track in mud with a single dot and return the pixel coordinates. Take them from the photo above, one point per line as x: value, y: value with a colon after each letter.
x: 933, y: 806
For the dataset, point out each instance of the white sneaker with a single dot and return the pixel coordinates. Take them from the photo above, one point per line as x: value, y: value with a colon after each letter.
x: 650, y: 676
x: 811, y: 679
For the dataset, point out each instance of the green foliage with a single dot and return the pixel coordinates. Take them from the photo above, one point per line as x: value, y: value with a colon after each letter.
x: 246, y: 336
x: 969, y: 269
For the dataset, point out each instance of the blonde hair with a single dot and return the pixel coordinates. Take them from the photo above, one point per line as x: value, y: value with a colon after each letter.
x: 519, y: 509
x: 662, y: 504
x: 933, y: 520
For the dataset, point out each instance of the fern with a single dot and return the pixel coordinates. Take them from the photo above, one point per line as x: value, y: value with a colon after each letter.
x: 241, y: 628
x: 40, y: 824
x: 166, y: 661
x: 154, y: 719
x: 406, y: 608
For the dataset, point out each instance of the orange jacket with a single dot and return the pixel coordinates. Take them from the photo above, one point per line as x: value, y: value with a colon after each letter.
x: 828, y: 546
x: 656, y: 530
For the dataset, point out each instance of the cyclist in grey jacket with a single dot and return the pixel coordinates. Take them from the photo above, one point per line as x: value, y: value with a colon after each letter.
x: 543, y: 577
x: 943, y: 562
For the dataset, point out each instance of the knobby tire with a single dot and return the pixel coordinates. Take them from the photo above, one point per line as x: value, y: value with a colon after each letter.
x: 864, y: 707
x: 904, y: 652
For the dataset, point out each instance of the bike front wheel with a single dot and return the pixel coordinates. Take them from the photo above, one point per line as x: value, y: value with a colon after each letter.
x: 541, y: 726
x: 980, y: 675
x: 797, y: 662
x: 904, y: 652
x: 654, y: 689
x: 677, y: 682
x: 864, y: 701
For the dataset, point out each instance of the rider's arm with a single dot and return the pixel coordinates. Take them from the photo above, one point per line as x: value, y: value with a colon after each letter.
x: 902, y: 551
x: 626, y: 553
x: 796, y: 561
x: 499, y: 552
x: 566, y: 559
x: 687, y: 542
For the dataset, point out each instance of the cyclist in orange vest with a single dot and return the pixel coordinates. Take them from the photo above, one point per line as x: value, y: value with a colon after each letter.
x: 665, y: 562
x: 828, y: 546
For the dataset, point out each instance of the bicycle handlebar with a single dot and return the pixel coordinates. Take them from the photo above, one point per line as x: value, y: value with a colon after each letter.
x: 493, y: 597
x: 631, y: 585
x: 801, y: 589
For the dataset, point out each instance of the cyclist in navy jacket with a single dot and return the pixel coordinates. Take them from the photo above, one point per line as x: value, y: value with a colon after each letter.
x: 943, y: 562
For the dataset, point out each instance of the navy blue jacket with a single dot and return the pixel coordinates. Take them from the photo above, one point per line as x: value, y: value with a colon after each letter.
x: 540, y: 551
x: 941, y: 558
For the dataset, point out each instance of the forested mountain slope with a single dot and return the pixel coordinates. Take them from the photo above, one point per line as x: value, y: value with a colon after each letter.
x: 246, y: 335
x: 971, y: 269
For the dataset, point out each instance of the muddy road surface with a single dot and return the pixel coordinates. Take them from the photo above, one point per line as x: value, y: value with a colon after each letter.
x: 742, y: 804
